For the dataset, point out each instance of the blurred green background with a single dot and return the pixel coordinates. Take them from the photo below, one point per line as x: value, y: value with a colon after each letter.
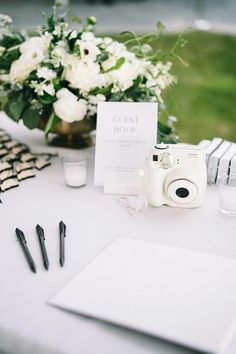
x: 204, y: 99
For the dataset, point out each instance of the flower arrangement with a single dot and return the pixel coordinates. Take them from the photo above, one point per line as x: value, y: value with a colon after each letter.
x: 66, y: 72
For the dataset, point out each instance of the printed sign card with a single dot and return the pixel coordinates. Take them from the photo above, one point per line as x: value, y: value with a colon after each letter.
x: 126, y: 132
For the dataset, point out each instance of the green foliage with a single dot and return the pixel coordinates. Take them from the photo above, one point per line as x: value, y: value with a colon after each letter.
x: 51, y: 123
x: 46, y: 99
x: 10, y: 39
x: 118, y: 64
x: 31, y: 118
x: 15, y: 105
x: 8, y: 57
x: 103, y: 56
x: 103, y: 90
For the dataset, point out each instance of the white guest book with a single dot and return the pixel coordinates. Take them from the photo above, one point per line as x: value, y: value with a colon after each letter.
x: 126, y: 132
x: 184, y: 296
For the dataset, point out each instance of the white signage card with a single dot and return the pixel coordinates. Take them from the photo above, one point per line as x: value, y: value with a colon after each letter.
x: 126, y: 132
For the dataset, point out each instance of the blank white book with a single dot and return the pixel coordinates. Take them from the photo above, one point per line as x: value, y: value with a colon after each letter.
x: 181, y: 295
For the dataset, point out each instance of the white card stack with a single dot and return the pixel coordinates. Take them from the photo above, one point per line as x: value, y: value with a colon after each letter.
x: 220, y: 160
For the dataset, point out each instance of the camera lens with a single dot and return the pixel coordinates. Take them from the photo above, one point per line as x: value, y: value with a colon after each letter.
x: 182, y: 192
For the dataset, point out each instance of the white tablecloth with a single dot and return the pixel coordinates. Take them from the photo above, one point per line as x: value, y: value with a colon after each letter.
x: 27, y: 323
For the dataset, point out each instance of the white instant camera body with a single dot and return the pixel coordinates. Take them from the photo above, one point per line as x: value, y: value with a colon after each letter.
x: 175, y: 175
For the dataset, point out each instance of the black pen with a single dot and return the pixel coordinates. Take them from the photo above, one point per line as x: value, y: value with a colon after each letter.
x: 41, y: 237
x: 22, y: 239
x: 62, y: 229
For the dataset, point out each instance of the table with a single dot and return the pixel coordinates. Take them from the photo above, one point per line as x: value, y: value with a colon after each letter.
x: 27, y: 324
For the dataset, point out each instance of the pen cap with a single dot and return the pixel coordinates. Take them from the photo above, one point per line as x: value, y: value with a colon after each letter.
x: 40, y: 231
x: 21, y: 235
x: 62, y: 228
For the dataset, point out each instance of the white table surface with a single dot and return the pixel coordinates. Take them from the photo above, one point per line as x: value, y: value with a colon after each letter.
x: 93, y: 219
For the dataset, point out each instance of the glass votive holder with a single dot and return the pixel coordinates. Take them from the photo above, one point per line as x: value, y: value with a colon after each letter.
x: 75, y: 170
x: 227, y: 194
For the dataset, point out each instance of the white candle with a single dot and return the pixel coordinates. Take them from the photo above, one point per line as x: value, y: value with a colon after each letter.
x: 228, y: 199
x: 75, y: 171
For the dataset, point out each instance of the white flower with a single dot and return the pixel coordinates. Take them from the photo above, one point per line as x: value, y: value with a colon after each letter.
x: 36, y: 105
x: 41, y: 87
x: 57, y: 31
x: 123, y: 78
x: 90, y: 37
x: 171, y: 120
x: 5, y: 20
x: 58, y: 54
x: 68, y: 107
x: 20, y: 70
x: 88, y: 50
x: 107, y: 41
x: 4, y: 78
x: 95, y: 99
x: 83, y: 75
x: 35, y: 44
x: 45, y: 73
x: 49, y: 88
x: 33, y: 52
x: 116, y: 48
x: 2, y: 50
x: 73, y: 35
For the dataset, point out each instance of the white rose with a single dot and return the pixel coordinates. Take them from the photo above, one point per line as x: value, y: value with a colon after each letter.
x: 83, y: 75
x: 33, y: 52
x: 35, y: 43
x: 20, y: 70
x: 68, y: 107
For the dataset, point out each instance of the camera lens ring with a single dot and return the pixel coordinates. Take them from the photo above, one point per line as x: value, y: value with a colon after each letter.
x: 187, y: 191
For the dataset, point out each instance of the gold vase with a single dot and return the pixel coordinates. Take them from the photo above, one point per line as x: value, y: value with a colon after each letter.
x: 74, y: 135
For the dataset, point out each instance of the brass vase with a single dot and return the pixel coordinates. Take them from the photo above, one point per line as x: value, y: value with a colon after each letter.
x: 74, y: 135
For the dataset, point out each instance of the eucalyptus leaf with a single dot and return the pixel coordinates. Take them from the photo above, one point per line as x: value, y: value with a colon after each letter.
x: 117, y: 65
x: 103, y: 56
x: 31, y: 118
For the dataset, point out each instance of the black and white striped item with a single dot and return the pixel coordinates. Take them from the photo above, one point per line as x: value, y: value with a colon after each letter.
x: 220, y: 160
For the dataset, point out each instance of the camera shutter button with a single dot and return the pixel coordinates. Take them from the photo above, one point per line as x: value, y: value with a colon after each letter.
x: 161, y: 146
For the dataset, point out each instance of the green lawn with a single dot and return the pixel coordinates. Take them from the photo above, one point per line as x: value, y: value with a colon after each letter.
x: 204, y: 100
